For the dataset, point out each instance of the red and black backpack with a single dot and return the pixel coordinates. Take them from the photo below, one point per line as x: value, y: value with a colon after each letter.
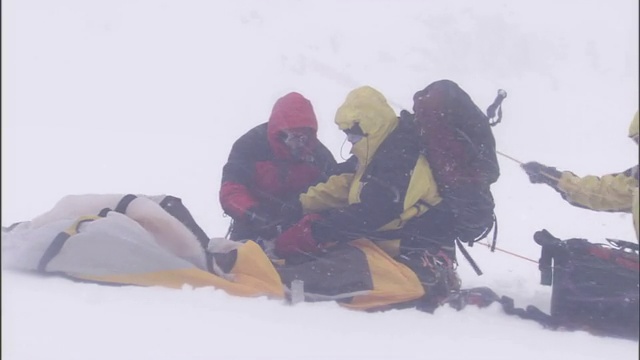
x: 457, y: 141
x: 595, y: 287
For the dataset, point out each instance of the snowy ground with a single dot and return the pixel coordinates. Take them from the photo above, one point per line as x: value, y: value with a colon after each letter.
x: 148, y: 96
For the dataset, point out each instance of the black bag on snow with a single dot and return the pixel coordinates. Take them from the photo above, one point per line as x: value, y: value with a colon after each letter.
x: 595, y: 287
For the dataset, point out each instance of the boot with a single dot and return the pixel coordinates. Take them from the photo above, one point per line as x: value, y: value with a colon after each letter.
x: 437, y: 274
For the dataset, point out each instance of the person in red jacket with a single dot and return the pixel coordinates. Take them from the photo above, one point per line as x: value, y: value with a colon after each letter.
x: 270, y: 166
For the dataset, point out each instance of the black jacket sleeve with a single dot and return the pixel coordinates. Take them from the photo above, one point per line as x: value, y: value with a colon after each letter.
x: 384, y: 187
x: 250, y: 148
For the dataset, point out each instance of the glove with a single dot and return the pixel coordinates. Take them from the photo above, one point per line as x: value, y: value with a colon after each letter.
x: 298, y: 238
x: 291, y: 212
x: 407, y: 116
x: 262, y: 222
x: 541, y: 174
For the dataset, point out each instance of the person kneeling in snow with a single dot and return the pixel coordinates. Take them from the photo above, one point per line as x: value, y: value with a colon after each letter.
x: 613, y: 192
x: 272, y: 164
x: 391, y: 199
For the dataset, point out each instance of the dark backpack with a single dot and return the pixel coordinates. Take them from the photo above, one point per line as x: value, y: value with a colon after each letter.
x: 457, y: 140
x: 594, y: 286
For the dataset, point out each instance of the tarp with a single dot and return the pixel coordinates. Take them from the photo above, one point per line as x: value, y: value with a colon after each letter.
x: 133, y: 240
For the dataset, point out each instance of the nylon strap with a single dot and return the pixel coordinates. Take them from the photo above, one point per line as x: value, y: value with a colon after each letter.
x: 124, y: 203
x: 59, y: 241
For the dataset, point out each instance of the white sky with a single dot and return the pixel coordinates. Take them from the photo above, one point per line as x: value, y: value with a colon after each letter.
x: 148, y: 96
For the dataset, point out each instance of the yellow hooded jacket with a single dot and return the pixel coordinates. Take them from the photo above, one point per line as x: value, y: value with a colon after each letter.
x: 393, y: 182
x: 613, y: 192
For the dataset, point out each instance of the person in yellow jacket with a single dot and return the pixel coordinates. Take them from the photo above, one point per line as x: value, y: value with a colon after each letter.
x: 614, y: 192
x: 391, y: 196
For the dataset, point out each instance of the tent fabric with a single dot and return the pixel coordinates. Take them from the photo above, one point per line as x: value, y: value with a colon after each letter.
x: 144, y: 245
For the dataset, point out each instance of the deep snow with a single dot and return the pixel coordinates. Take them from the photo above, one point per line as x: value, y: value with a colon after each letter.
x: 148, y: 96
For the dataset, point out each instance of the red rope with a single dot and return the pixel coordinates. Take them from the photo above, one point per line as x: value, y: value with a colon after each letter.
x: 510, y: 253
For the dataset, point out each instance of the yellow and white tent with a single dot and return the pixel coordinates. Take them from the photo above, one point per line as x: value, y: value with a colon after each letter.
x: 153, y: 241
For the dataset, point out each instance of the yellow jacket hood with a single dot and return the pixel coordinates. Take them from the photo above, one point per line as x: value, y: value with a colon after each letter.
x: 368, y: 108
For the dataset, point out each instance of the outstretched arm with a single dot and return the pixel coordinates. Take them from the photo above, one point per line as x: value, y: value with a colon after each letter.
x: 612, y: 192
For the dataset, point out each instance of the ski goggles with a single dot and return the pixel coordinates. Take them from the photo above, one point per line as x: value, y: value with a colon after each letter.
x: 354, y: 134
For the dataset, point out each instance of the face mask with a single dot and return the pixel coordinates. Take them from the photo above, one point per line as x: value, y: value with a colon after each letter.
x: 295, y: 140
x: 299, y: 144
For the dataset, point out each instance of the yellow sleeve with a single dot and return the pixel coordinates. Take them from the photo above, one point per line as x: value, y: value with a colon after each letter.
x: 607, y: 193
x: 334, y: 193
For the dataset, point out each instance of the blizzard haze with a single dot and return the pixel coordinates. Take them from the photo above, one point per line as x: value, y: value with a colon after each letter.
x: 148, y: 96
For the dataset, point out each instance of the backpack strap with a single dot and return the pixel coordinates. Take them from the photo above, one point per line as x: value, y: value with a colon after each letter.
x: 550, y: 249
x: 175, y: 208
x: 466, y: 254
x: 484, y: 296
x: 495, y: 233
x: 468, y: 257
x: 485, y: 233
x: 529, y: 313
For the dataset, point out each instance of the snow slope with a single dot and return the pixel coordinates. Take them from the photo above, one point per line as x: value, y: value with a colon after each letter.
x: 148, y: 96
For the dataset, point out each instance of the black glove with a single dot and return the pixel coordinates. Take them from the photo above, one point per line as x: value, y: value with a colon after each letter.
x: 291, y: 212
x: 263, y: 222
x: 541, y: 174
x: 406, y: 115
x: 323, y: 233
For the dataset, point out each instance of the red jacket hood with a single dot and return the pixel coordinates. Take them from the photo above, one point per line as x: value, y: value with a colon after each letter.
x: 289, y: 112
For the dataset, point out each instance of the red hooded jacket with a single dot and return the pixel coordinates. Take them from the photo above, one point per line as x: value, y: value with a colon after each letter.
x: 261, y: 170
